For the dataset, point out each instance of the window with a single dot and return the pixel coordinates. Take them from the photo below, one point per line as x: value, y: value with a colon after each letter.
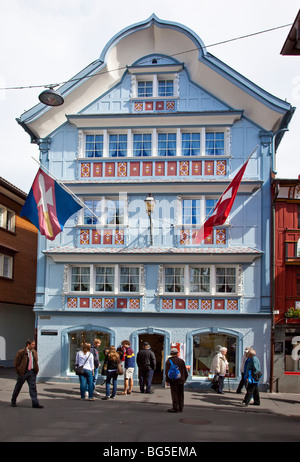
x: 167, y: 144
x: 112, y: 279
x: 109, y: 212
x: 6, y: 266
x: 105, y: 279
x: 142, y: 145
x: 209, y: 280
x: 94, y: 146
x: 78, y: 338
x: 191, y: 212
x: 80, y: 279
x: 214, y: 144
x: 225, y: 280
x: 199, y: 280
x: 118, y: 145
x: 129, y: 279
x: 205, y: 347
x: 190, y: 144
x: 7, y: 218
x: 145, y: 89
x: 174, y: 280
x: 165, y: 88
x: 292, y: 341
x: 94, y: 208
x: 209, y: 206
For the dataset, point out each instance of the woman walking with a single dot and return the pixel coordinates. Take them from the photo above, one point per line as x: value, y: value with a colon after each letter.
x: 112, y: 359
x: 86, y: 359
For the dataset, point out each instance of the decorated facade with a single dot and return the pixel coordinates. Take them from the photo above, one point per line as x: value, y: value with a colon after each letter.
x: 158, y: 120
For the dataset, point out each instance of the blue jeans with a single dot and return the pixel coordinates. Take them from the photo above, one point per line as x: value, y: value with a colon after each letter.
x: 86, y: 382
x: 111, y: 375
x: 95, y: 377
x: 145, y: 378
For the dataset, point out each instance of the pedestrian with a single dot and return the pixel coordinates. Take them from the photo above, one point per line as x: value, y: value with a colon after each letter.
x: 112, y: 359
x: 95, y: 353
x: 242, y: 368
x: 129, y: 367
x: 86, y: 359
x: 176, y: 384
x: 146, y: 362
x: 252, y: 377
x: 219, y: 367
x: 27, y: 368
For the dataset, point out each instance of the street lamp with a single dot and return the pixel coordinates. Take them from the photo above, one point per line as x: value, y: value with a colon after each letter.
x: 51, y: 98
x: 150, y: 204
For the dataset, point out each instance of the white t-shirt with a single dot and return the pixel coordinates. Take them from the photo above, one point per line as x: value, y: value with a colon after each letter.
x: 81, y: 357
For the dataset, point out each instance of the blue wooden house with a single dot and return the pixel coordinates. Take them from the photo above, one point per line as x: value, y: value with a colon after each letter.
x: 158, y: 121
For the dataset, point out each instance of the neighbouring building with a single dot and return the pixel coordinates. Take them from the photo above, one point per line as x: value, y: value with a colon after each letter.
x: 286, y: 267
x: 158, y: 118
x: 18, y: 260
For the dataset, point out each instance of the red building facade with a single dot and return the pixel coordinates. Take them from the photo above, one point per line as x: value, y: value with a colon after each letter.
x: 286, y: 288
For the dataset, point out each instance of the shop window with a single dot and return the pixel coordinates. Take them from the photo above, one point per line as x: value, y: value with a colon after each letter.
x: 292, y: 351
x: 77, y: 339
x: 205, y: 347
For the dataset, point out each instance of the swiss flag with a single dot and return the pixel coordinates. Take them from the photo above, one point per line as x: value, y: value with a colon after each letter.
x: 222, y: 207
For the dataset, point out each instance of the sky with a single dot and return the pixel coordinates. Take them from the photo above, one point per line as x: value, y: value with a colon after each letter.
x: 44, y: 43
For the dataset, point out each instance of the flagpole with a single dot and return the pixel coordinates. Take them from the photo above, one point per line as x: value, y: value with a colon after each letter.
x: 256, y: 147
x: 76, y: 198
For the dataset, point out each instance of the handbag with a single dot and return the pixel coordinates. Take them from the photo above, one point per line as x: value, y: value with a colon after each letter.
x: 120, y: 370
x: 257, y: 375
x: 104, y: 369
x: 79, y: 369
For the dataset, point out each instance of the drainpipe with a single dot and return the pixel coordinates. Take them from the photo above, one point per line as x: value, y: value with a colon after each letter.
x: 273, y: 289
x: 273, y: 148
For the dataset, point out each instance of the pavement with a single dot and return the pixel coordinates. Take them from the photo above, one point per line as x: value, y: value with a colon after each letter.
x: 143, y: 418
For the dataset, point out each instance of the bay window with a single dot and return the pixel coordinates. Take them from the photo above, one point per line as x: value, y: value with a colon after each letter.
x: 199, y: 280
x: 185, y: 142
x: 105, y: 279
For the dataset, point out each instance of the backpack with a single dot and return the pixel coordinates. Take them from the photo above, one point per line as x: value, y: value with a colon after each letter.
x: 174, y: 372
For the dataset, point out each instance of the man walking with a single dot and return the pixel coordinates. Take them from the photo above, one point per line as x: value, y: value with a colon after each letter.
x: 176, y: 380
x: 146, y: 362
x: 26, y: 366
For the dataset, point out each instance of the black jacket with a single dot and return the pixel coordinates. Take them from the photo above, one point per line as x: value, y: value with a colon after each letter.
x: 146, y: 359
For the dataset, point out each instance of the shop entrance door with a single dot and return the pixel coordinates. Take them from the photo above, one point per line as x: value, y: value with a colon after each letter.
x: 156, y: 342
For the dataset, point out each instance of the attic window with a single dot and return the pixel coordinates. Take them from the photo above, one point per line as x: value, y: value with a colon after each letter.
x: 154, y: 61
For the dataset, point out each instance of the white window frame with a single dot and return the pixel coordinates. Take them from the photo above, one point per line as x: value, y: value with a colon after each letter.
x: 213, y: 278
x: 81, y: 292
x: 154, y: 141
x: 92, y: 281
x: 7, y: 219
x: 203, y: 216
x: 9, y: 260
x: 102, y: 221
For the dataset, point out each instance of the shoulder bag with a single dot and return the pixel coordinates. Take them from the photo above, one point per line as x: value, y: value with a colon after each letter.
x: 79, y: 369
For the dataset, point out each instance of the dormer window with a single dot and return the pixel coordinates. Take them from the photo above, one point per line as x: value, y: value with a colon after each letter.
x: 165, y: 88
x: 145, y: 89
